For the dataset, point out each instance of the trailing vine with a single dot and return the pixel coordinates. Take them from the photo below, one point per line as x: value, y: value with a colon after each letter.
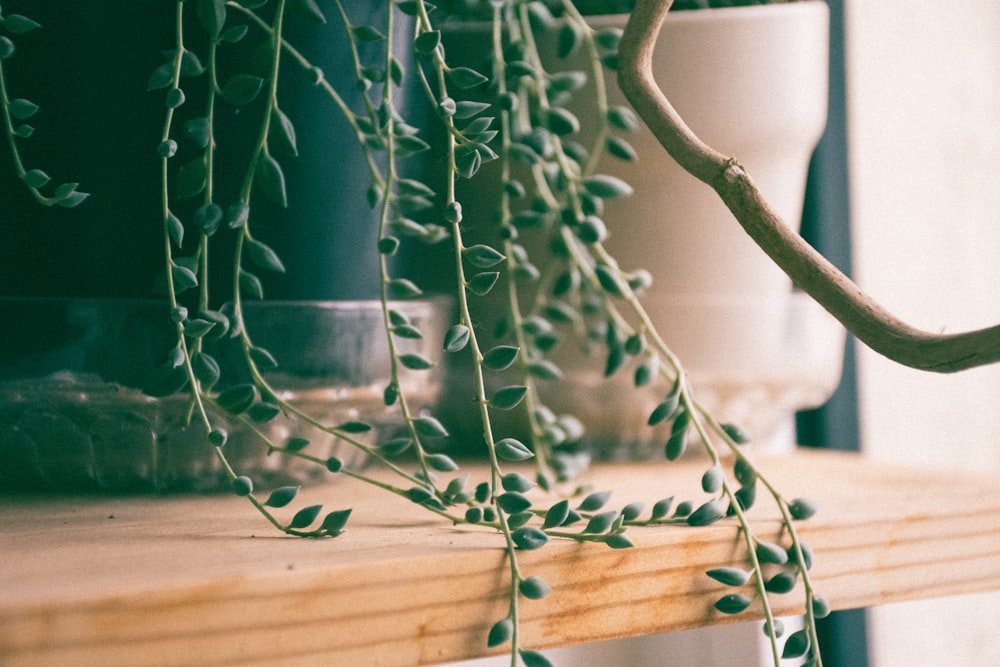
x: 547, y: 249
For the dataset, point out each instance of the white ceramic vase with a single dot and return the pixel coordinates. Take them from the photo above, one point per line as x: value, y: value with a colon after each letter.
x: 752, y: 82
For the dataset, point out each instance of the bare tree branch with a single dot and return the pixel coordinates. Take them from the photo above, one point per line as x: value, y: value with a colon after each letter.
x: 865, y: 318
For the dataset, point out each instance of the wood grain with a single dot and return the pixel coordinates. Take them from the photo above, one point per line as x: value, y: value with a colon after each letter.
x: 204, y: 581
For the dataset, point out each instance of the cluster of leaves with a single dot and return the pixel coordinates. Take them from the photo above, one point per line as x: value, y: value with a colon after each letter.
x: 545, y: 258
x: 17, y: 114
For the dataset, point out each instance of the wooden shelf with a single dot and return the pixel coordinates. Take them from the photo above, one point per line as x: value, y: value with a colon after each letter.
x: 205, y: 581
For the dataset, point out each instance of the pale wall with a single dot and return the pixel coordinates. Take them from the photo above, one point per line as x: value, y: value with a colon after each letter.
x: 924, y: 117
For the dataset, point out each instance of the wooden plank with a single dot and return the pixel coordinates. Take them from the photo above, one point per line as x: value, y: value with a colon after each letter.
x: 204, y: 581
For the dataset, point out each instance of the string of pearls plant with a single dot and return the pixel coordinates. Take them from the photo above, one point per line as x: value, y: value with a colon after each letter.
x: 516, y: 115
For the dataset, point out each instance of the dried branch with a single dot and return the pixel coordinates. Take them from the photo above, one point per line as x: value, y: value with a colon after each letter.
x: 865, y: 318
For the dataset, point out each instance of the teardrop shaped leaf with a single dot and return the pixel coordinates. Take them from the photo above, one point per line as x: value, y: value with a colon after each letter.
x: 500, y: 357
x: 456, y: 338
x: 513, y: 450
x: 482, y: 256
x: 508, y: 398
x: 305, y: 516
x: 334, y: 522
x: 429, y: 426
x: 730, y: 576
x: 272, y: 180
x: 263, y: 255
x: 282, y: 496
x: 241, y: 89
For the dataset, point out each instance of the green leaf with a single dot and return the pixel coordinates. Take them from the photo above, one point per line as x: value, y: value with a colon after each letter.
x: 305, y: 516
x: 768, y: 552
x: 736, y: 433
x: 469, y: 108
x: 36, y: 178
x: 415, y: 361
x: 284, y: 131
x: 162, y: 77
x: 238, y: 399
x: 466, y: 77
x: 707, y: 514
x: 513, y: 450
x: 396, y: 446
x: 175, y: 98
x: 429, y: 426
x: 282, y: 496
x: 19, y: 24
x: 207, y: 218
x: 821, y: 607
x: 251, y: 285
x: 427, y: 42
x: 272, y: 180
x: 334, y: 522
x: 557, y: 514
x: 802, y: 508
x: 309, y: 9
x: 366, y: 33
x: 218, y: 437
x: 515, y: 481
x: 335, y: 465
x: 212, y: 16
x: 562, y: 122
x: 533, y: 658
x: 796, y: 645
x: 621, y: 149
x: 482, y: 283
x: 677, y: 442
x: 544, y: 369
x: 568, y: 40
x: 781, y: 583
x: 233, y: 34
x: 183, y: 277
x: 401, y: 288
x: 242, y: 486
x: 500, y: 357
x: 441, y: 463
x: 508, y: 397
x: 263, y: 359
x: 733, y: 603
x: 623, y: 118
x: 662, y: 508
x: 664, y: 410
x: 601, y: 523
x: 206, y: 369
x: 730, y: 576
x: 456, y: 338
x: 67, y: 196
x: 534, y: 588
x: 632, y: 511
x: 6, y: 48
x: 482, y: 256
x: 619, y: 541
x: 354, y: 427
x: 263, y: 255
x: 198, y: 130
x: 296, y: 444
x: 263, y: 412
x: 529, y: 538
x: 191, y: 178
x: 513, y: 502
x: 607, y: 187
x: 22, y: 109
x: 241, y: 89
x: 711, y: 481
x: 500, y: 633
x: 594, y: 501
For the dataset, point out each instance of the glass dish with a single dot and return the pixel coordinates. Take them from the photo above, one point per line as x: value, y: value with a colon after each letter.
x: 73, y: 416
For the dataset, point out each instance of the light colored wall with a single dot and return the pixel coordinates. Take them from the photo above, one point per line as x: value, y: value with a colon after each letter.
x: 924, y: 117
